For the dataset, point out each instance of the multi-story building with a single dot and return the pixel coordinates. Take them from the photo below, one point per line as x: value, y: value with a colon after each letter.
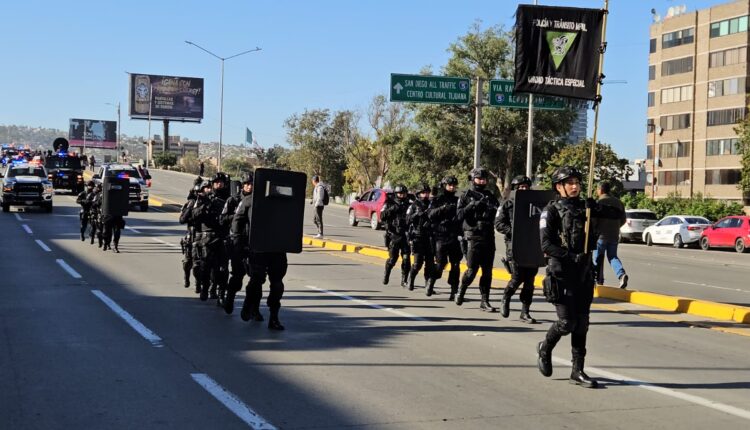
x: 697, y: 92
x: 177, y: 146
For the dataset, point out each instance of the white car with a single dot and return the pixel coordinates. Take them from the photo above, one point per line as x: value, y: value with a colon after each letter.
x: 678, y: 230
x: 636, y: 221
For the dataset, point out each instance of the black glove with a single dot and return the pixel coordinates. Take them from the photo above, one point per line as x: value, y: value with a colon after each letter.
x: 480, y: 205
x: 590, y: 203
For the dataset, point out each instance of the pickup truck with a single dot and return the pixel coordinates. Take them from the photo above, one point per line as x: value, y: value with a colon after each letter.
x: 26, y: 185
x: 138, y: 189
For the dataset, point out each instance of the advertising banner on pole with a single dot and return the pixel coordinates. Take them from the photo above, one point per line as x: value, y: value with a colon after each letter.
x: 175, y: 98
x: 557, y: 50
x: 97, y: 133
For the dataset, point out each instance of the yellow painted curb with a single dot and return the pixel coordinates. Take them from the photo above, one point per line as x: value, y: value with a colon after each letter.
x: 334, y: 246
x: 153, y: 201
x: 372, y: 252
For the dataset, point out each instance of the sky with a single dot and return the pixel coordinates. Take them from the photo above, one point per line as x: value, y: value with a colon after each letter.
x: 62, y: 60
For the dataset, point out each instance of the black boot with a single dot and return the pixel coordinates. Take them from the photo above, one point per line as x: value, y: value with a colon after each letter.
x: 204, y: 292
x: 525, y: 316
x: 273, y: 320
x: 544, y: 359
x: 461, y: 294
x: 485, y: 305
x: 412, y: 276
x: 197, y: 287
x: 221, y: 297
x: 454, y: 290
x: 387, y: 274
x: 255, y: 313
x: 187, y: 281
x: 92, y: 240
x: 579, y: 377
x: 117, y: 250
x: 505, y: 304
x: 83, y: 237
x: 430, y: 287
x: 212, y: 294
x: 404, y: 278
x: 246, y: 312
x: 229, y: 302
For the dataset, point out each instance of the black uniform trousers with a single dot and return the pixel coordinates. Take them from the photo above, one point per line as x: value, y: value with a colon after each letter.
x: 448, y: 251
x: 207, y: 248
x: 398, y: 245
x: 520, y: 277
x: 84, y: 218
x: 480, y: 254
x: 113, y: 226
x: 272, y: 265
x: 187, y: 256
x: 572, y: 318
x: 239, y: 257
x: 421, y: 249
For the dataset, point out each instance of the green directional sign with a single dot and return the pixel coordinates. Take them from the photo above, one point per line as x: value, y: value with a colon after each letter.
x: 501, y: 94
x: 430, y: 89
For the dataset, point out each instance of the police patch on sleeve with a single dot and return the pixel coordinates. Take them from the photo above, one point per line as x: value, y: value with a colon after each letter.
x: 543, y: 220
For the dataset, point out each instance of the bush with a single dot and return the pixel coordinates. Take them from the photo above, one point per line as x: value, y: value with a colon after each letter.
x: 165, y: 159
x: 674, y: 204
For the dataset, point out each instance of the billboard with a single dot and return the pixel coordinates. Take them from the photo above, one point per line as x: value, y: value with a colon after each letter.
x: 174, y: 98
x: 93, y: 133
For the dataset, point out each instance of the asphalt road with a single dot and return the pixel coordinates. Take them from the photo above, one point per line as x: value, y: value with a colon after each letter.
x: 716, y: 275
x: 355, y: 353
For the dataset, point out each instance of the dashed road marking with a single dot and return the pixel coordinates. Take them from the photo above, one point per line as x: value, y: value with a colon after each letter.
x: 132, y: 322
x: 164, y: 242
x: 243, y: 412
x: 367, y: 303
x: 132, y: 229
x: 42, y: 245
x: 711, y: 286
x: 68, y: 269
x: 18, y: 217
x: 27, y: 228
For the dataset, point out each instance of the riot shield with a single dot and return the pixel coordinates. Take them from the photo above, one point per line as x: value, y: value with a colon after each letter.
x: 115, y: 193
x: 527, y: 206
x: 278, y: 210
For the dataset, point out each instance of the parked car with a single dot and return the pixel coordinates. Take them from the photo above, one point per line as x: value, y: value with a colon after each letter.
x: 367, y: 207
x: 637, y: 221
x: 729, y: 232
x: 679, y: 230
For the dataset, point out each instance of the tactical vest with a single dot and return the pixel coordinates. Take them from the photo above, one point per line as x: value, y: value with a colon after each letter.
x: 573, y: 223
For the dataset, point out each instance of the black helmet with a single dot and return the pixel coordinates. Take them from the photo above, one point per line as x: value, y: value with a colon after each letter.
x: 99, y: 186
x: 520, y: 180
x: 220, y: 177
x: 562, y: 173
x: 423, y: 188
x: 247, y: 177
x: 205, y: 184
x: 479, y: 172
x: 90, y: 184
x: 197, y: 181
x: 449, y: 180
x: 400, y: 189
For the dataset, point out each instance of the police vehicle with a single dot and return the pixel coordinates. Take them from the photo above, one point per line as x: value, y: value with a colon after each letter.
x: 26, y: 184
x: 65, y: 171
x: 138, y: 195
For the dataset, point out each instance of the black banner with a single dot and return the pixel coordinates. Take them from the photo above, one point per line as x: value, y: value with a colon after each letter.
x: 166, y: 97
x: 93, y: 133
x: 557, y: 50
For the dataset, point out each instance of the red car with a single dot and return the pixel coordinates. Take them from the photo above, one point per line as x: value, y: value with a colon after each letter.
x: 729, y: 232
x: 367, y: 208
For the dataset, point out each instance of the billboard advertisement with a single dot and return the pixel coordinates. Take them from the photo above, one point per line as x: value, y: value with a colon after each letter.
x: 93, y: 133
x: 175, y: 98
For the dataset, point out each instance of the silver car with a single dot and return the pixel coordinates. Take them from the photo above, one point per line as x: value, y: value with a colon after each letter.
x: 636, y: 221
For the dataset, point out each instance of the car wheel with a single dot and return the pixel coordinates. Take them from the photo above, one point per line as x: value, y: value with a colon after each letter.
x: 144, y: 207
x: 6, y: 207
x: 48, y: 208
x: 649, y: 242
x: 352, y: 219
x: 739, y: 245
x: 704, y: 244
x: 374, y: 224
x: 678, y: 241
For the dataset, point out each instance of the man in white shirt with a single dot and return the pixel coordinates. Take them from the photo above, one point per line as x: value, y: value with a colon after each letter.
x: 317, y: 201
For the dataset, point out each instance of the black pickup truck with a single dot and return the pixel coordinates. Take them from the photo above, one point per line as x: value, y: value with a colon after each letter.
x: 65, y: 171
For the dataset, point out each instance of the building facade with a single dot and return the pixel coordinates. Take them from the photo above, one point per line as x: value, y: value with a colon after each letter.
x: 697, y: 93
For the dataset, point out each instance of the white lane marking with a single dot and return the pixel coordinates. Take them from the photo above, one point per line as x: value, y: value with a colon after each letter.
x: 42, y: 245
x: 27, y: 228
x: 366, y: 303
x: 18, y: 217
x: 742, y: 413
x: 710, y: 286
x: 68, y: 269
x: 132, y: 229
x: 66, y: 215
x: 164, y: 242
x: 132, y: 322
x: 243, y: 412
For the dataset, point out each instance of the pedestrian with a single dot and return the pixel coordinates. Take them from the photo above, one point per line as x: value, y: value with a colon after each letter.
x: 609, y: 236
x: 92, y: 162
x: 446, y: 231
x: 201, y: 168
x: 393, y: 214
x: 319, y: 201
x: 476, y: 209
x: 419, y: 237
x: 569, y: 283
x: 520, y: 275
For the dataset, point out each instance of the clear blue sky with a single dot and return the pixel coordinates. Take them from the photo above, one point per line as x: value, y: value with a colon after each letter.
x: 64, y: 60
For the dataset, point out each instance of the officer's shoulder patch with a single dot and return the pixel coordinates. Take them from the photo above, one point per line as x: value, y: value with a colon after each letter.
x: 543, y: 219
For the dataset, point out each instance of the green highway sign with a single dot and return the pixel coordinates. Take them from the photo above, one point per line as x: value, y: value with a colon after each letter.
x: 501, y: 94
x: 430, y: 89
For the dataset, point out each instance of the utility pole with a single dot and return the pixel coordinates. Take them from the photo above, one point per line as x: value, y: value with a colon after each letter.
x: 478, y: 124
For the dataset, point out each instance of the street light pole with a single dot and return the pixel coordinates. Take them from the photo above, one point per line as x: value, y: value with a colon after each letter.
x: 221, y: 109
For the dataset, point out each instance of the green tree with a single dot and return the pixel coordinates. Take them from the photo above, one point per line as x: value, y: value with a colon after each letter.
x: 235, y: 166
x: 165, y: 159
x: 608, y: 166
x: 743, y: 135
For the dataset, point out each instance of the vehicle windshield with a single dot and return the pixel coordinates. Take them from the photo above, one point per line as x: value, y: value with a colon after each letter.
x: 641, y: 215
x: 26, y: 171
x: 63, y: 163
x: 697, y: 220
x: 124, y: 173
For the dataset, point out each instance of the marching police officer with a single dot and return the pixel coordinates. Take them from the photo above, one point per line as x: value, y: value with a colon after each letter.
x: 85, y: 199
x: 209, y: 243
x: 220, y: 268
x: 446, y: 230
x: 570, y: 279
x: 186, y: 243
x: 95, y: 215
x: 476, y: 210
x: 237, y: 243
x: 393, y: 214
x: 420, y: 237
x: 112, y: 226
x: 519, y: 275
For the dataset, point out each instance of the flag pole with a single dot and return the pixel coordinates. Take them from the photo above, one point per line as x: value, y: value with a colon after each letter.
x: 597, y: 101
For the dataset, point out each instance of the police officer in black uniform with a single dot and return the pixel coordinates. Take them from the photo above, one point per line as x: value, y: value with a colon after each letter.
x: 476, y: 210
x: 220, y: 266
x: 95, y: 215
x: 570, y: 278
x: 393, y: 214
x: 209, y: 241
x: 112, y: 227
x: 446, y: 230
x: 420, y: 237
x: 85, y: 199
x: 186, y: 243
x: 237, y: 243
x: 519, y: 275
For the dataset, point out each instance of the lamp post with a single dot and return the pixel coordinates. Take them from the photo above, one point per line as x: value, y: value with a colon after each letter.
x: 119, y: 130
x: 221, y: 111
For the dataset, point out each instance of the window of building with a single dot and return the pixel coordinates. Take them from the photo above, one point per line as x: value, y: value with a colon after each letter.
x: 675, y: 122
x: 680, y: 65
x: 652, y: 46
x: 726, y: 116
x: 651, y: 99
x: 728, y: 26
x: 722, y: 146
x: 674, y: 177
x: 674, y: 149
x: 677, y: 38
x: 676, y: 94
x: 723, y: 177
x: 651, y: 73
x: 726, y: 87
x: 727, y: 57
x: 649, y: 152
